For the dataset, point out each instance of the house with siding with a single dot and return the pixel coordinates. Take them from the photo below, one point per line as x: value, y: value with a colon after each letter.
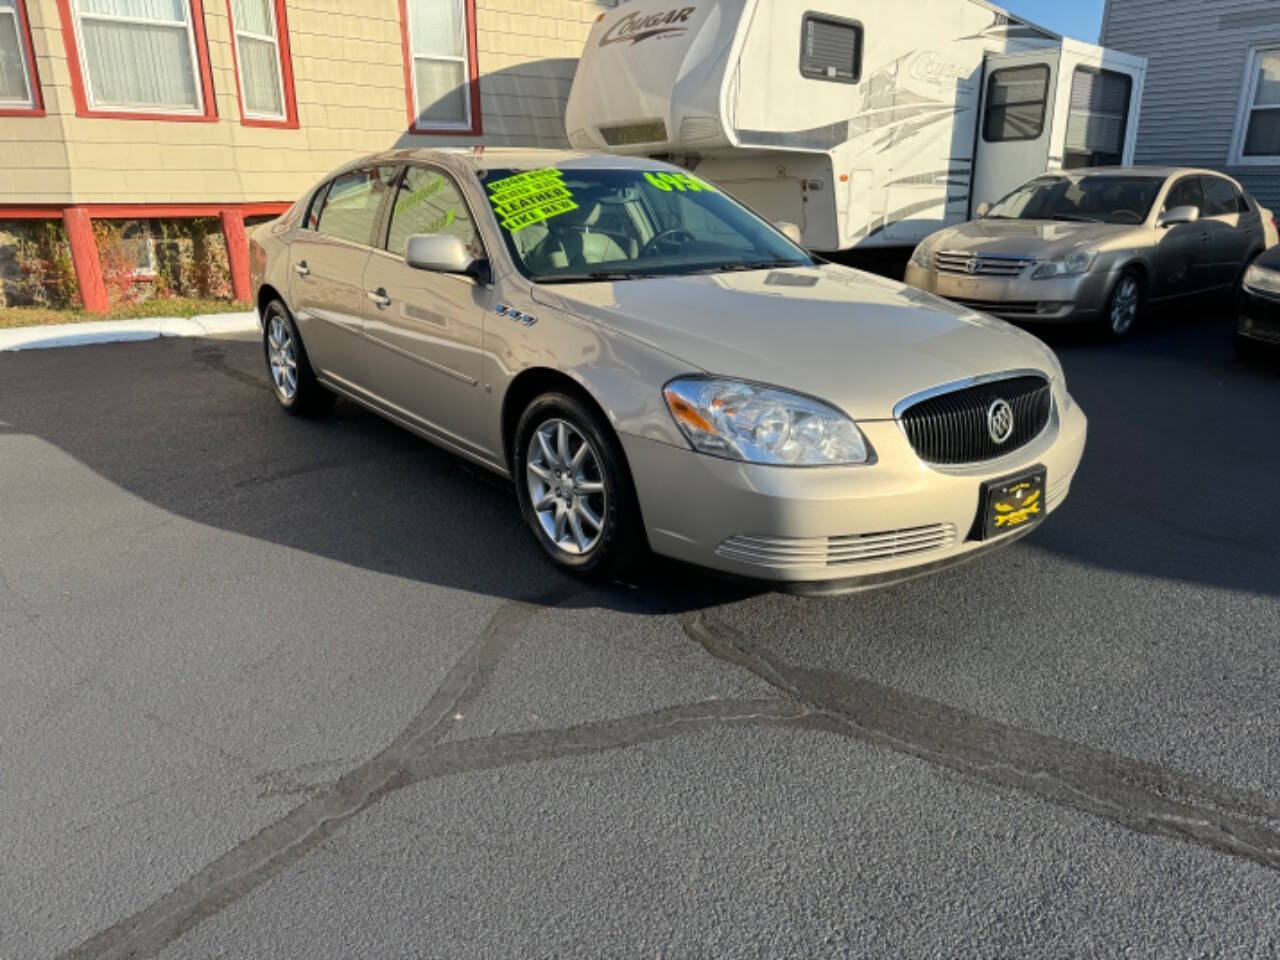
x: 1212, y: 96
x: 148, y: 110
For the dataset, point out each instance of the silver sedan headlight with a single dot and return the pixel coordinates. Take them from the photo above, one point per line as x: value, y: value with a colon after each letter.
x: 1068, y: 265
x: 760, y: 424
x: 922, y: 256
x: 1263, y: 280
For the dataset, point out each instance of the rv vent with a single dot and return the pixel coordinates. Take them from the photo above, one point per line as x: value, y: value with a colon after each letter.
x: 831, y: 49
x: 699, y: 128
x: 647, y: 131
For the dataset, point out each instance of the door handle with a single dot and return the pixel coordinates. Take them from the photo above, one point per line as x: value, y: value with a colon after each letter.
x: 380, y: 298
x: 1206, y: 237
x: 301, y: 269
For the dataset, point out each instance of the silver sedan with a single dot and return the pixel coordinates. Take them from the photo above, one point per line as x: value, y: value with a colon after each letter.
x: 1097, y: 246
x: 656, y: 368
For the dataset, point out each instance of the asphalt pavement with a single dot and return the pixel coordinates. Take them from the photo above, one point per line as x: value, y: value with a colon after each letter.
x: 280, y: 689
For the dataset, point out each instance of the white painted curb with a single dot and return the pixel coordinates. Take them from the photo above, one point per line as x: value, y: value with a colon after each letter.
x: 118, y: 331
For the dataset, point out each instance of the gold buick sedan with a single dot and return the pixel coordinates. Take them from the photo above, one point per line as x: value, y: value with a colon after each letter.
x: 656, y: 368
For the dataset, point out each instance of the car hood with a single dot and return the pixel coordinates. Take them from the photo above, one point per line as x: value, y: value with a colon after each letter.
x: 855, y: 340
x: 1040, y: 239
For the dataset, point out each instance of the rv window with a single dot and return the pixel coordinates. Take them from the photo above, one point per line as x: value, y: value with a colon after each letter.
x: 1099, y: 118
x: 1016, y: 98
x: 831, y: 49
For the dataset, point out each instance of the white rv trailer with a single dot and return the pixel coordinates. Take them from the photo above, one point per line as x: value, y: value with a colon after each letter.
x: 867, y: 123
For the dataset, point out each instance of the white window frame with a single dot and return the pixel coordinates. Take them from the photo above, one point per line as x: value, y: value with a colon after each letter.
x: 275, y: 42
x: 78, y: 17
x: 1248, y: 93
x: 465, y: 60
x: 20, y: 32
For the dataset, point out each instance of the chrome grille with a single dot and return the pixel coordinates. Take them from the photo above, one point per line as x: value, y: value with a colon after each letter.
x: 952, y: 427
x: 988, y: 265
x: 838, y: 551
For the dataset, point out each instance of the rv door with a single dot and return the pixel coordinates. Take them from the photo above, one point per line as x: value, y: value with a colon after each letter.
x: 1014, y: 124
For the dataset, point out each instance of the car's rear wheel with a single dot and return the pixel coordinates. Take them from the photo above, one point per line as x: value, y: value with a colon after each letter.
x: 1124, y: 306
x: 292, y: 379
x: 574, y: 487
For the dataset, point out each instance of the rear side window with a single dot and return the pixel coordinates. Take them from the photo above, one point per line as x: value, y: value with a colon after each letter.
x: 1098, y: 120
x: 1221, y: 198
x: 831, y: 48
x: 429, y: 201
x: 351, y: 207
x: 1016, y: 100
x: 1185, y: 193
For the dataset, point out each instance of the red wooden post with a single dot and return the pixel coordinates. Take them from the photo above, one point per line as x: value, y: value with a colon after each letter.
x: 237, y: 252
x: 84, y: 256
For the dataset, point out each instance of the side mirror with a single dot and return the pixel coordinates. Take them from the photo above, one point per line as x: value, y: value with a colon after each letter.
x: 1183, y: 214
x: 443, y: 253
x: 790, y: 231
x: 983, y: 209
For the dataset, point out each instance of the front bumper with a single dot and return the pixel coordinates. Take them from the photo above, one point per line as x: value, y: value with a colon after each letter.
x: 1020, y: 299
x: 1259, y: 316
x: 834, y: 529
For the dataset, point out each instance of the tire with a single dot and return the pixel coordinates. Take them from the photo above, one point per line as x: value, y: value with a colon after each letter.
x: 581, y: 508
x: 1124, y: 307
x: 292, y: 380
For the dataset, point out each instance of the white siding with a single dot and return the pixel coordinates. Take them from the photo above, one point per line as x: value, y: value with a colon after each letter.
x: 1198, y: 51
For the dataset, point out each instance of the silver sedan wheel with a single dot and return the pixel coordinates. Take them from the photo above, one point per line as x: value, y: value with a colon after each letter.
x: 566, y: 487
x: 283, y: 358
x: 1124, y: 306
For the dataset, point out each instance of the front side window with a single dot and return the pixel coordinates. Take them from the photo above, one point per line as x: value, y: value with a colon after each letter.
x: 429, y: 201
x: 1262, y: 111
x: 1098, y: 120
x: 1016, y: 103
x: 259, y: 59
x: 1085, y: 199
x: 831, y: 49
x: 139, y: 55
x: 351, y: 207
x: 1221, y: 198
x: 1185, y: 193
x: 17, y: 89
x: 439, y: 64
x: 565, y: 226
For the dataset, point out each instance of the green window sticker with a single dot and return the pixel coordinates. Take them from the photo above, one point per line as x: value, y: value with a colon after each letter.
x: 667, y: 181
x: 420, y: 195
x: 528, y: 198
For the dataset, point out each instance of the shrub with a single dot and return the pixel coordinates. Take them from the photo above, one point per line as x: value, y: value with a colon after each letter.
x: 48, y: 275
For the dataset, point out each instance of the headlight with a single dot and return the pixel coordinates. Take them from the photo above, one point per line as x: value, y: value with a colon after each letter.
x: 1261, y: 279
x: 1068, y: 265
x: 922, y: 257
x: 759, y: 424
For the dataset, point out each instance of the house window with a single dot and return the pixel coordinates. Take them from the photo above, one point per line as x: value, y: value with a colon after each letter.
x: 1259, y: 136
x: 140, y: 55
x: 17, y: 84
x: 1016, y: 101
x: 1098, y: 119
x: 440, y: 63
x: 262, y: 67
x: 831, y: 49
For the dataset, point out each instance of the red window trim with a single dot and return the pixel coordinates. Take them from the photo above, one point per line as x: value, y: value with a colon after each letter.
x: 290, y: 121
x: 473, y: 84
x: 37, y: 95
x: 78, y: 93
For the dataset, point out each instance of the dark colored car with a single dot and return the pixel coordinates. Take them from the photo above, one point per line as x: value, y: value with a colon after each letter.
x: 1259, y: 316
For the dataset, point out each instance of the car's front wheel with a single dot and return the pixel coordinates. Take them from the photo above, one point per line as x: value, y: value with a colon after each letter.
x: 574, y: 487
x: 292, y: 379
x: 1124, y: 306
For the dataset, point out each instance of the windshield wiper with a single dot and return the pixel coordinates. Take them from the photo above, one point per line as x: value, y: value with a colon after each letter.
x: 1074, y: 219
x: 596, y: 276
x: 752, y: 265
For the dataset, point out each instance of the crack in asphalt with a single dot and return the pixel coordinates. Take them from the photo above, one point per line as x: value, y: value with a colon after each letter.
x: 1139, y: 796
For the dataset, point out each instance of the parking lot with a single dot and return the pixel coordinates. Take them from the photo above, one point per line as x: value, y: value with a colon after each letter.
x: 298, y: 689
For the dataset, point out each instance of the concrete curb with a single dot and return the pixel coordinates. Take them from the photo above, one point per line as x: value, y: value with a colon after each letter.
x: 119, y: 331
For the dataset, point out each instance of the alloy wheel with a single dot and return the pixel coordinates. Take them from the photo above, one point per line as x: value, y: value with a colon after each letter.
x: 283, y: 358
x: 566, y: 487
x: 1124, y: 306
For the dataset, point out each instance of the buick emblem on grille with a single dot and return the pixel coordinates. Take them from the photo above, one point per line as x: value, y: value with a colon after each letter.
x: 972, y: 265
x: 1000, y: 421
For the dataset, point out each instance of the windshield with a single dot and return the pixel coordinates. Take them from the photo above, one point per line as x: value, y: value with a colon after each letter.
x: 566, y: 226
x: 1086, y: 199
